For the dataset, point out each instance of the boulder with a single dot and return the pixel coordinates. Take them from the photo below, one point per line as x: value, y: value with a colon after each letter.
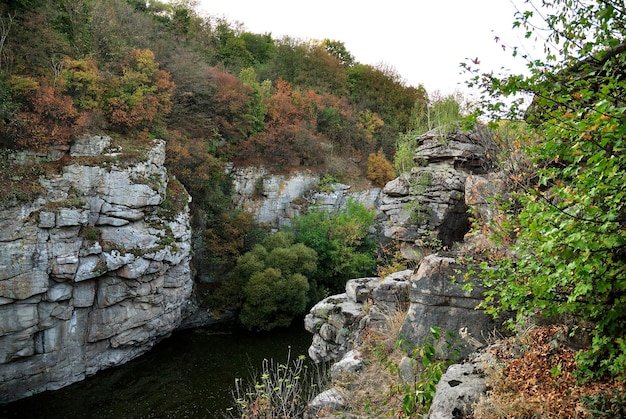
x: 328, y: 401
x: 460, y: 387
x: 438, y: 298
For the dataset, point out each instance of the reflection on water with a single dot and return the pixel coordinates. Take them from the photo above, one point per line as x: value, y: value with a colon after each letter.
x: 189, y: 375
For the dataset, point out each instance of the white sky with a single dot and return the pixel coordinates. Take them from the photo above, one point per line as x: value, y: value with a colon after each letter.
x: 424, y: 40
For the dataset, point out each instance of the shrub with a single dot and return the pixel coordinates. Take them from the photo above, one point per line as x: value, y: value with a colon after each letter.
x: 48, y: 118
x: 342, y: 243
x: 379, y: 170
x: 269, y: 283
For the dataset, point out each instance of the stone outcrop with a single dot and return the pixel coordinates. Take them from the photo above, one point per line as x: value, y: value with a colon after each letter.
x: 336, y: 321
x: 427, y: 208
x: 460, y: 387
x: 439, y: 298
x: 274, y: 199
x: 93, y: 273
x: 420, y: 209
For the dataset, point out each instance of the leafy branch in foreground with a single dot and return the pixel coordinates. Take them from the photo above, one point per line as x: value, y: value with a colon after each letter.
x: 571, y: 217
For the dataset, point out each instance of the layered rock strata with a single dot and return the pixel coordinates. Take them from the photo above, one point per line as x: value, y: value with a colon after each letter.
x: 93, y: 273
x: 336, y: 321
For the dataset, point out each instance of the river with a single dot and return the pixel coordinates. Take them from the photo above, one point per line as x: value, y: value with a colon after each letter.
x: 190, y: 375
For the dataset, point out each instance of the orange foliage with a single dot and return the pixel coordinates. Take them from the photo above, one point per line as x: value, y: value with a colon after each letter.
x: 290, y: 135
x: 379, y: 170
x: 540, y: 383
x: 141, y: 97
x: 230, y: 106
x: 48, y: 118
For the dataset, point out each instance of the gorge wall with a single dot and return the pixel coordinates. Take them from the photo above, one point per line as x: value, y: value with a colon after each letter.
x: 420, y: 209
x: 94, y: 272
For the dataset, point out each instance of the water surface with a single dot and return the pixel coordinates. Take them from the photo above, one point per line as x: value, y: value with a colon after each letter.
x: 189, y: 375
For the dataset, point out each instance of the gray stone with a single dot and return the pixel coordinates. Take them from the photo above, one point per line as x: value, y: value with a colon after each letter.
x: 70, y: 217
x: 437, y: 184
x: 439, y: 299
x: 135, y: 269
x: 399, y: 187
x: 84, y: 293
x: 23, y: 286
x: 460, y: 387
x: 111, y: 221
x: 47, y: 219
x: 351, y: 363
x: 59, y: 292
x: 89, y: 145
x: 17, y: 345
x: 71, y: 305
x: 357, y: 289
x: 330, y: 400
x: 17, y: 317
x: 89, y: 267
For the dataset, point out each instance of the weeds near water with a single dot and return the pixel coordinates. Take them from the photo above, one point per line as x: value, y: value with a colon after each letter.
x: 283, y: 390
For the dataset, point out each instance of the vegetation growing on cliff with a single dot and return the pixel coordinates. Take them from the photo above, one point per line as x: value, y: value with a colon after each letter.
x: 216, y: 92
x: 342, y: 242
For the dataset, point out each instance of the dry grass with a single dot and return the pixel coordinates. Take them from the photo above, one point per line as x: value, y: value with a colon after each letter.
x: 376, y: 391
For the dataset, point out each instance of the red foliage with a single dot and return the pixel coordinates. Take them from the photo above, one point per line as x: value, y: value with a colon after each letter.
x: 290, y: 138
x: 48, y: 118
x: 230, y: 106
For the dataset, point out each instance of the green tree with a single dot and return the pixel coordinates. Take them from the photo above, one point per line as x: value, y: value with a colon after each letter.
x: 338, y: 49
x: 342, y: 243
x: 271, y: 282
x: 571, y: 215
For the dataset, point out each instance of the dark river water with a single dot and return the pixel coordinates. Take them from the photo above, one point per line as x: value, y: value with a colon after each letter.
x: 189, y: 375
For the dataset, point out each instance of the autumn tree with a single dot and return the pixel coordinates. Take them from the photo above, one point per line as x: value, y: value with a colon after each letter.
x: 141, y: 97
x: 83, y: 83
x: 379, y: 170
x: 289, y: 138
x: 382, y: 92
x: 45, y: 118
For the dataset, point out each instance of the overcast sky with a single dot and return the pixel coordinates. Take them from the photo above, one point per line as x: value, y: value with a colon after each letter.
x: 424, y: 40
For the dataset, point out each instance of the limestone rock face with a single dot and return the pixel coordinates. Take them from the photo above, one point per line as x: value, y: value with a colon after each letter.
x: 438, y: 299
x: 92, y: 274
x: 270, y: 198
x: 275, y: 199
x: 429, y: 203
x: 336, y: 321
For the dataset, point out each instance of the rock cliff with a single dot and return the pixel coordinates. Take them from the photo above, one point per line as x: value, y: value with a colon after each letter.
x: 422, y: 209
x: 94, y: 272
x: 427, y: 208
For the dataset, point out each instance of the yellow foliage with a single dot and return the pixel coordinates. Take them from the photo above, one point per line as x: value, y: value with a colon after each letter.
x: 379, y: 170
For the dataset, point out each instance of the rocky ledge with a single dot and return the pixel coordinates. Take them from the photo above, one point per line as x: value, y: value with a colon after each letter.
x: 94, y: 272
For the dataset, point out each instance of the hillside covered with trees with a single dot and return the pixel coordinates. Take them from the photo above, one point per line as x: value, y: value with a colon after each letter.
x: 137, y: 70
